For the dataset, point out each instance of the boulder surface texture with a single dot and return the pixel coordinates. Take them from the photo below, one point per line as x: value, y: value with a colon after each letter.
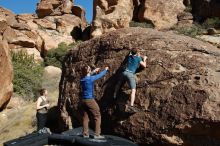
x: 6, y: 75
x: 177, y: 95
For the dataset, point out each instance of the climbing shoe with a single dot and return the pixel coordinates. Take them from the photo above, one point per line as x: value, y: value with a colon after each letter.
x: 99, y: 137
x: 85, y: 136
x: 131, y: 109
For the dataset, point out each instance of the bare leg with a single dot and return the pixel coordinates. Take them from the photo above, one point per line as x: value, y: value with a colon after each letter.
x: 133, y: 91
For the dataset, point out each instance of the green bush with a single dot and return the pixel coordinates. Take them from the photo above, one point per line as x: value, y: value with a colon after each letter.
x: 27, y: 75
x: 191, y: 31
x: 141, y: 24
x: 211, y: 23
x: 54, y: 57
x: 198, y: 28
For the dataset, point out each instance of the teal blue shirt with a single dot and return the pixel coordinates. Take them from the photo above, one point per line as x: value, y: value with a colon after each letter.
x: 133, y: 63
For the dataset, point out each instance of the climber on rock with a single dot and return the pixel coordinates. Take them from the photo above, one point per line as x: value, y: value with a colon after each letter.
x: 89, y: 105
x: 132, y: 63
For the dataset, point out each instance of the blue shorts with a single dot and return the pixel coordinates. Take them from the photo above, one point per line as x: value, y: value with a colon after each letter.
x: 130, y: 78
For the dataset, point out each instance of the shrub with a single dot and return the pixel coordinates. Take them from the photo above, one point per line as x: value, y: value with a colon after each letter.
x: 141, y: 24
x: 191, y: 31
x: 211, y: 23
x: 27, y: 75
x: 54, y: 57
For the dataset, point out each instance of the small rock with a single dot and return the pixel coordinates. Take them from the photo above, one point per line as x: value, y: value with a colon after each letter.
x: 212, y: 31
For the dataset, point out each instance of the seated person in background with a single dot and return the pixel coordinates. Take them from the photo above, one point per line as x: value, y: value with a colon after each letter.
x: 89, y: 105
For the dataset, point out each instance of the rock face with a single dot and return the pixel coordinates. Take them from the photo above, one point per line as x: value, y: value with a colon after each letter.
x: 35, y: 35
x: 161, y: 13
x: 6, y: 75
x: 51, y: 78
x: 54, y: 7
x: 177, y: 96
x: 213, y: 39
x: 185, y: 19
x: 111, y: 15
x: 114, y: 14
x: 80, y: 12
x: 38, y: 34
x: 206, y: 8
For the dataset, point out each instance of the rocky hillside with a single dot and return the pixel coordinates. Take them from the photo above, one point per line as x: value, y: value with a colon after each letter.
x: 110, y: 15
x: 161, y: 14
x: 177, y: 95
x: 54, y: 23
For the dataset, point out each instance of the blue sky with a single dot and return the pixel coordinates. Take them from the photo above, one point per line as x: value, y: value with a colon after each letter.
x: 29, y: 6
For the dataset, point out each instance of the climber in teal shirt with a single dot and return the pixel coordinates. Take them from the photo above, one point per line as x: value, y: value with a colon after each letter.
x: 132, y: 63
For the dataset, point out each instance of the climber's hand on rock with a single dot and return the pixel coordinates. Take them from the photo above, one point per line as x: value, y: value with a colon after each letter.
x: 145, y: 58
x: 97, y: 70
x: 106, y: 68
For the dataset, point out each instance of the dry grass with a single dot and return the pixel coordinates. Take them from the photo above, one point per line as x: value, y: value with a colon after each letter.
x: 17, y: 122
x: 21, y: 120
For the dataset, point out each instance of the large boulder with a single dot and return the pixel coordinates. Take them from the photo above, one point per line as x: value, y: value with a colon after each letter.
x: 80, y: 12
x: 45, y: 8
x: 67, y: 6
x: 65, y: 24
x: 177, y: 96
x: 52, y: 38
x: 111, y: 15
x: 23, y: 41
x: 206, y: 8
x: 6, y: 76
x: 28, y: 19
x: 45, y: 23
x: 8, y: 15
x: 161, y: 13
x: 54, y: 7
x: 185, y: 19
x: 51, y: 79
x: 6, y: 18
x: 9, y: 34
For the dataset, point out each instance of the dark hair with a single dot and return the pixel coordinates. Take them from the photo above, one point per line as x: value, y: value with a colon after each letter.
x: 42, y: 91
x: 134, y: 51
x: 84, y: 70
